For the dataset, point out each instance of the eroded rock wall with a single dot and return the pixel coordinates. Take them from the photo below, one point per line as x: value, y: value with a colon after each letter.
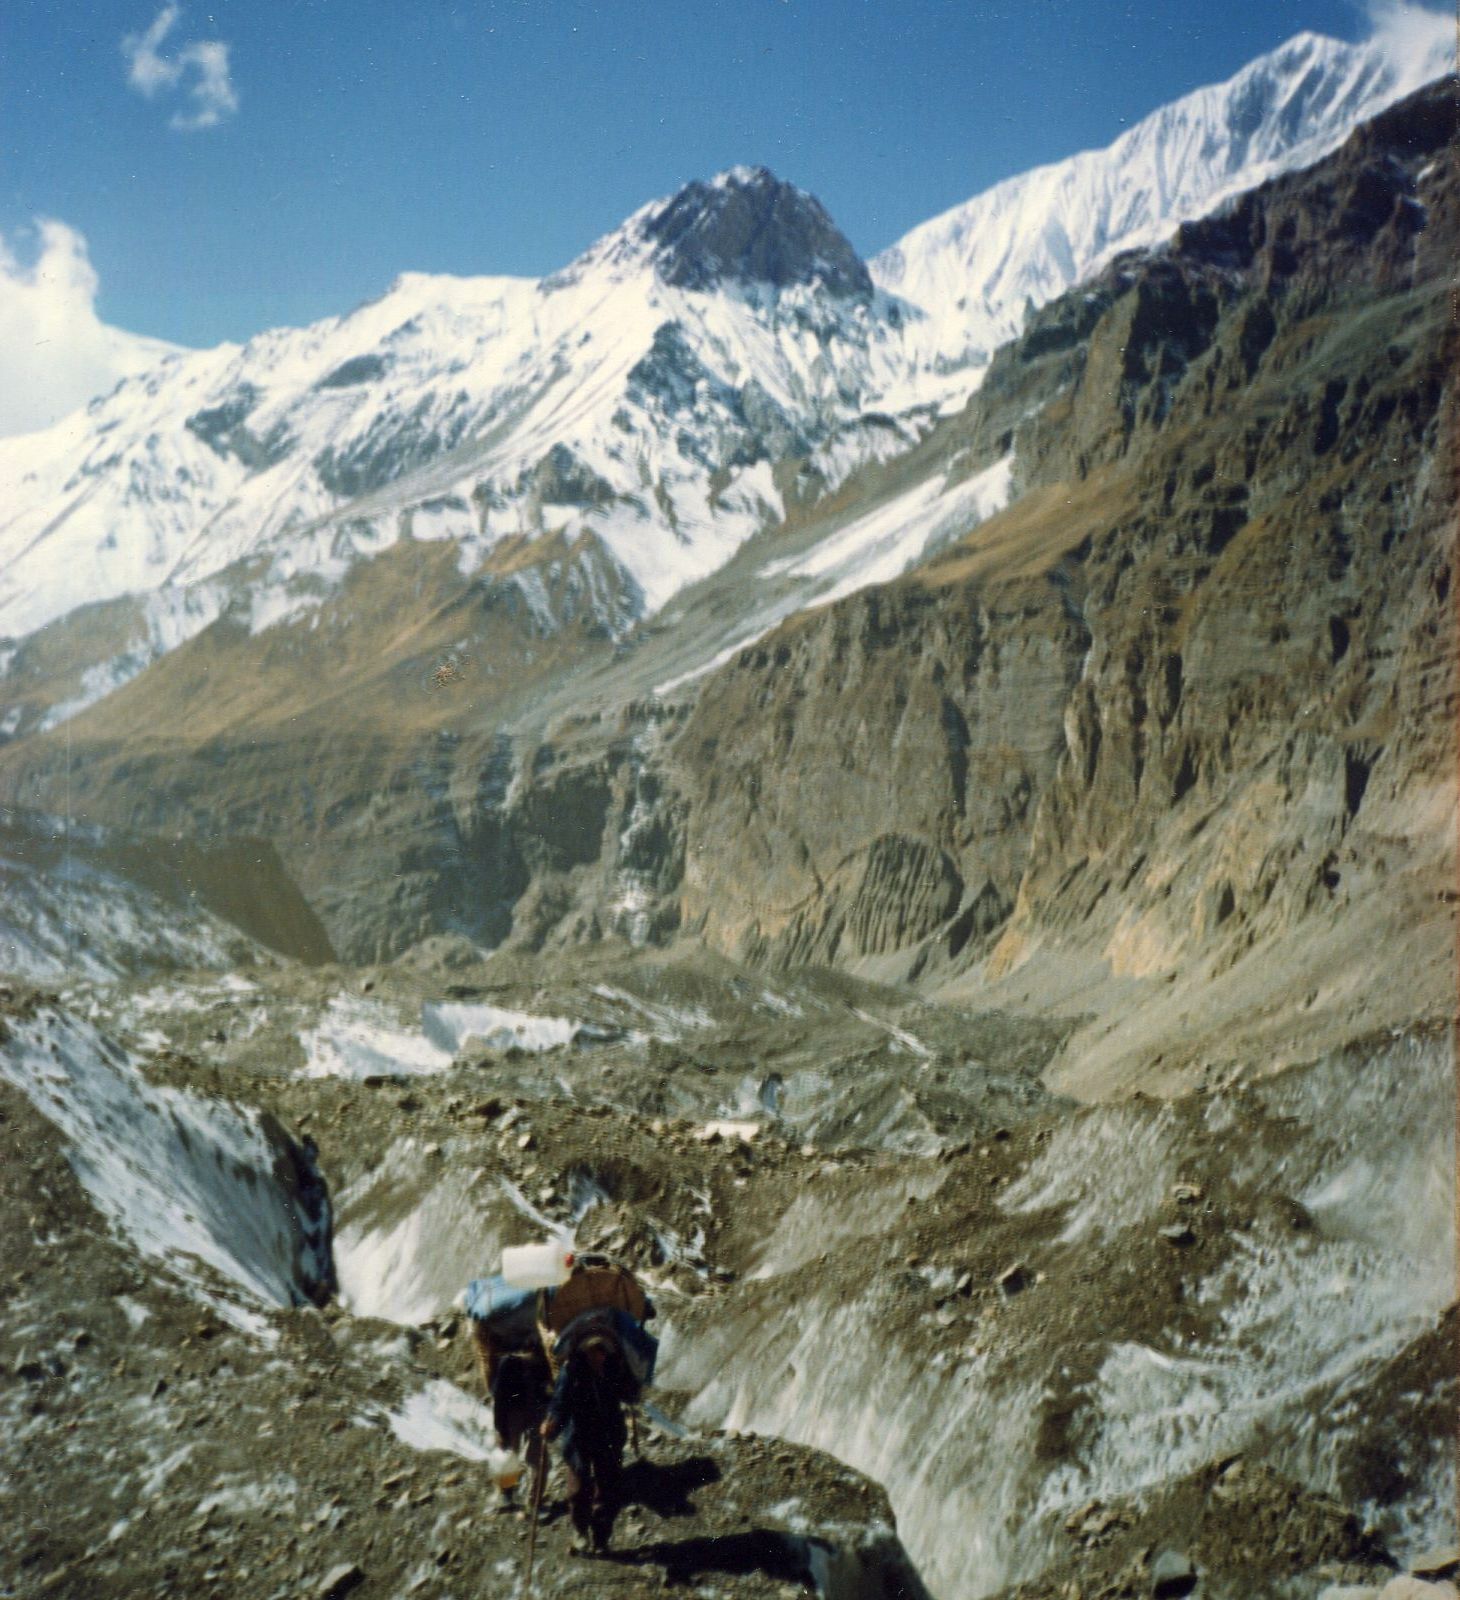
x: 860, y: 781
x: 1196, y: 688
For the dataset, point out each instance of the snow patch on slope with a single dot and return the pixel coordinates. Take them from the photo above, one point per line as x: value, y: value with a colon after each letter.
x: 356, y: 1038
x: 886, y: 542
x: 449, y: 1026
x: 874, y: 548
x: 192, y: 1183
x: 168, y: 618
x: 443, y: 1417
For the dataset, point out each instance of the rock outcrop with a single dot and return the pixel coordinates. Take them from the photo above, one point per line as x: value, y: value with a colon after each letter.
x: 1195, y: 689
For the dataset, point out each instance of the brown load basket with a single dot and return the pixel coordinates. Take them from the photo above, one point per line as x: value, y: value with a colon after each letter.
x: 596, y: 1284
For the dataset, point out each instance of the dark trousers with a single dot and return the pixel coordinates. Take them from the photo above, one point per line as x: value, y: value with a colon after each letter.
x: 519, y: 1403
x: 595, y: 1484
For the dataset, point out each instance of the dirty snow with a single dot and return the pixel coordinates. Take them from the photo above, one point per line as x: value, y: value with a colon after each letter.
x: 443, y: 1417
x: 449, y: 1026
x: 190, y: 1181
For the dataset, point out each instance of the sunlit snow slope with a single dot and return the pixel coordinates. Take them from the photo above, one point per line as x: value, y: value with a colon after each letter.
x: 978, y: 268
x: 639, y: 398
x: 637, y: 416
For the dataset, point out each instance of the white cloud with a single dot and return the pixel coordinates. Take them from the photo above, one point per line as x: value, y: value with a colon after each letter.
x: 146, y: 70
x: 55, y: 352
x: 199, y: 69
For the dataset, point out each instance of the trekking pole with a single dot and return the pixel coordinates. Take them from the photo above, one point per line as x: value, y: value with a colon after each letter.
x: 539, y: 1478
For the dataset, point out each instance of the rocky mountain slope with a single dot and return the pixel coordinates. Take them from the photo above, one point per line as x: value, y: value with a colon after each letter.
x: 983, y: 950
x: 1189, y: 702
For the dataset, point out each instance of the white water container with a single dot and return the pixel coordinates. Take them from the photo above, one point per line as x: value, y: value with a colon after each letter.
x: 538, y: 1266
x: 506, y: 1469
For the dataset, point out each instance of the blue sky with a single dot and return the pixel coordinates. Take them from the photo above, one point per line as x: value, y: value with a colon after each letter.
x: 228, y: 168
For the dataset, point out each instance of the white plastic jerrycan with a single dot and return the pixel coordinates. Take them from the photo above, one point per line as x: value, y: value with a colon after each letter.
x: 538, y: 1266
x: 506, y: 1469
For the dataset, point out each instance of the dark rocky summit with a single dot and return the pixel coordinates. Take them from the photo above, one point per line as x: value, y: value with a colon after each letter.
x: 748, y: 225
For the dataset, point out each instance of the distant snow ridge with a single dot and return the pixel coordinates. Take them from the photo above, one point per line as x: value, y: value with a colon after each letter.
x: 624, y: 426
x: 977, y: 269
x: 631, y: 408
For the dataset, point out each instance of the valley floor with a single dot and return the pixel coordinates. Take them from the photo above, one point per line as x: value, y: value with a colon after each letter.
x: 924, y: 1321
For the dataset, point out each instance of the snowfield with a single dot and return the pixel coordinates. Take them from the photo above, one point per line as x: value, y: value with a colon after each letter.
x: 193, y: 1183
x: 623, y: 401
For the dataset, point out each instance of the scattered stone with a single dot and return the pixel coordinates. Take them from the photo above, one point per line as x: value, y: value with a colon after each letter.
x: 1094, y: 1521
x: 432, y: 1151
x: 1441, y: 1563
x: 1014, y: 1280
x: 1407, y: 1587
x: 1187, y: 1194
x: 1179, y: 1235
x: 527, y: 1142
x: 339, y: 1581
x: 1172, y: 1575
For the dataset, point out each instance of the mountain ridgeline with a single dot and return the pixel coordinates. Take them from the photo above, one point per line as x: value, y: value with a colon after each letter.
x: 921, y: 822
x: 525, y: 660
x: 1187, y: 707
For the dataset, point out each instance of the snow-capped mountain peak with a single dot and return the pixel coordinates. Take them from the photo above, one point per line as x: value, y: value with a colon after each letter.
x: 647, y: 409
x: 639, y: 401
x: 977, y: 268
x: 743, y: 226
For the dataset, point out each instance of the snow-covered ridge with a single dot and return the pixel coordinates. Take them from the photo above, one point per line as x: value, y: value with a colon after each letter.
x: 978, y: 268
x: 631, y: 410
x: 608, y: 402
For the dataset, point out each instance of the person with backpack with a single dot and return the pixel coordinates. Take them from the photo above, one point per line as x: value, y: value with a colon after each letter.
x: 586, y: 1413
x: 514, y: 1368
